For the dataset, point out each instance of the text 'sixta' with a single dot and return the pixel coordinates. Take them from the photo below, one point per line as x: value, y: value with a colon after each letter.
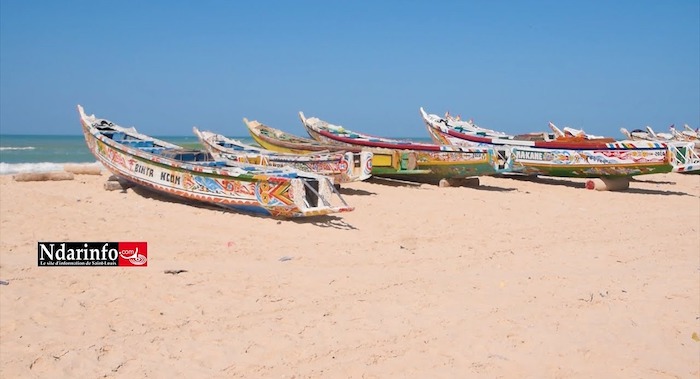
x: 93, y: 254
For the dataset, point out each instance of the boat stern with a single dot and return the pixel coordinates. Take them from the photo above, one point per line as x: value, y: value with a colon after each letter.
x: 366, y: 164
x: 316, y: 196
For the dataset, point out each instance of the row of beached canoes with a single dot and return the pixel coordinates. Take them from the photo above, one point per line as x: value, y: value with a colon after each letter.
x: 292, y: 176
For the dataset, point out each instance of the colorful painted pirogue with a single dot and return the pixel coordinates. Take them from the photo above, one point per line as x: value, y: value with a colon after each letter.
x: 686, y: 135
x: 277, y: 140
x: 684, y: 145
x: 343, y: 167
x: 194, y: 175
x: 439, y: 161
x: 385, y: 162
x: 568, y: 153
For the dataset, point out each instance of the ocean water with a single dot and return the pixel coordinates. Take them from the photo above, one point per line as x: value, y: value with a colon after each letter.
x: 42, y: 153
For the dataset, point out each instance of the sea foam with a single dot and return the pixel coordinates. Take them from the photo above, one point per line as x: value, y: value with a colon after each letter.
x: 9, y: 148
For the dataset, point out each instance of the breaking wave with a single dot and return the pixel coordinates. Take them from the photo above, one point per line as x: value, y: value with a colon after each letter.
x: 7, y: 148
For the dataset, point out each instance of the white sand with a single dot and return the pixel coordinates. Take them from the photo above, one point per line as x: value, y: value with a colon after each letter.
x: 514, y: 279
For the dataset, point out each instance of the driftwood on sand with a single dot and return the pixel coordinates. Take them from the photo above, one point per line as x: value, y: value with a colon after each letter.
x: 70, y: 170
x: 115, y: 183
x: 83, y: 169
x: 114, y: 186
x: 42, y: 176
x: 608, y: 184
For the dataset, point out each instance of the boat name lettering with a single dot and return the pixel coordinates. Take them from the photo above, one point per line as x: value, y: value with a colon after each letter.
x: 140, y: 169
x: 531, y: 155
x: 167, y: 177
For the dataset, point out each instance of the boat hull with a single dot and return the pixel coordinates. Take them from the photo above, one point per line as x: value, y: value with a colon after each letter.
x: 565, y: 159
x: 397, y: 164
x: 343, y: 167
x: 427, y: 161
x: 230, y: 187
x: 589, y: 163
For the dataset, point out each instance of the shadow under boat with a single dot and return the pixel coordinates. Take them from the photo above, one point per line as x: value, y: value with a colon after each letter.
x: 470, y: 182
x: 567, y: 182
x: 325, y: 221
x: 355, y: 192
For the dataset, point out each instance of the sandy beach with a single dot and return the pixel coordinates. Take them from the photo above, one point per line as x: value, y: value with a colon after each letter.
x: 512, y: 279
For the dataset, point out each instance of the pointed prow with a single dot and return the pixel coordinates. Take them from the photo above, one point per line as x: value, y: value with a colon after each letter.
x: 557, y: 131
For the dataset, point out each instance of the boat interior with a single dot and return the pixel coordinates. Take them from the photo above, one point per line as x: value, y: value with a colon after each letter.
x: 200, y: 157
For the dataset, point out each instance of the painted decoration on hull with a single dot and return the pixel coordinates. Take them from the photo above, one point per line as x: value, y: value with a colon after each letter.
x: 589, y: 163
x: 267, y: 192
x: 589, y: 157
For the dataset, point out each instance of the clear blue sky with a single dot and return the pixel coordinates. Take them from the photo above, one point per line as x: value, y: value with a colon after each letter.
x: 165, y: 66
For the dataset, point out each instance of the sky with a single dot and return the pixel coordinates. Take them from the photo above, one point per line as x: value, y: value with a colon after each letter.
x: 166, y: 66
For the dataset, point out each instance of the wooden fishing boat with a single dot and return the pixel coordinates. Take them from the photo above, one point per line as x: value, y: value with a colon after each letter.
x: 684, y: 146
x: 344, y: 167
x: 440, y: 161
x: 569, y: 153
x: 194, y: 174
x: 646, y: 135
x: 385, y: 162
x: 277, y: 140
x: 686, y: 135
